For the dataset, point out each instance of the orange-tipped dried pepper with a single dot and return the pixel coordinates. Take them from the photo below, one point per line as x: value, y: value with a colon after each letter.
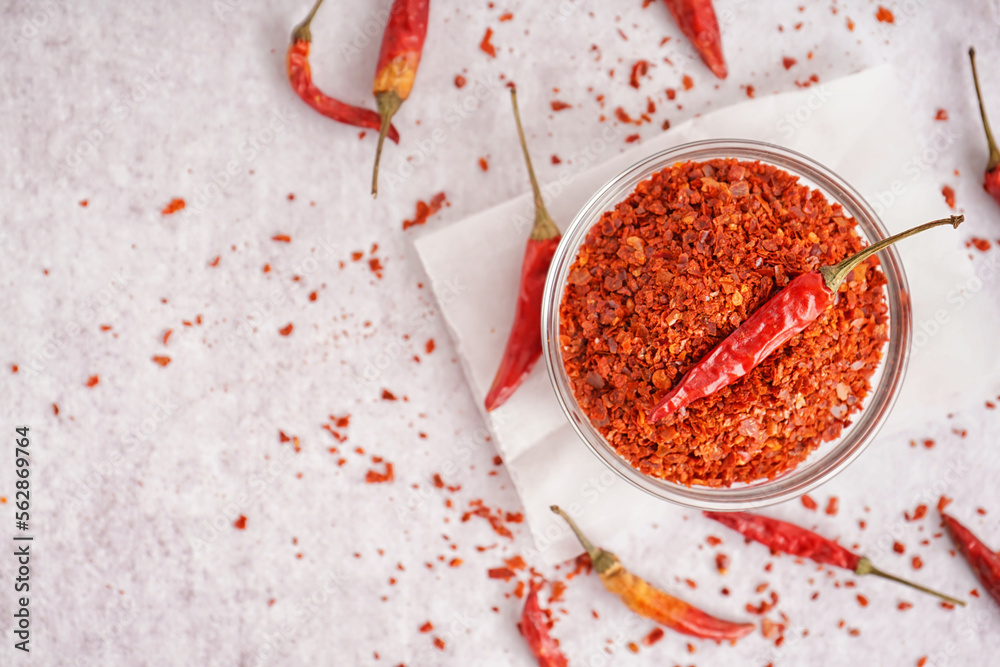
x: 652, y: 603
x: 300, y: 76
x: 402, y: 45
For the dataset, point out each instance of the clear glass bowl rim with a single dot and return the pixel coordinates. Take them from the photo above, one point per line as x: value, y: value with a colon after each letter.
x: 830, y: 458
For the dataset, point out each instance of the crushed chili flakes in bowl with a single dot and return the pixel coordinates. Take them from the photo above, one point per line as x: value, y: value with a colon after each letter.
x: 664, y: 263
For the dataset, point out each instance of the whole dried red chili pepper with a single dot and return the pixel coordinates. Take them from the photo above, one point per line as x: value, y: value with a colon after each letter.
x: 696, y: 19
x: 524, y: 343
x: 300, y: 76
x: 794, y: 308
x: 402, y: 44
x: 991, y: 181
x: 534, y: 627
x: 788, y: 538
x: 984, y: 562
x: 652, y: 603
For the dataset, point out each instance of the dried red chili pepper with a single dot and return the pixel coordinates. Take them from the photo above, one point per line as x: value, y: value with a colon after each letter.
x: 300, y: 76
x: 696, y: 19
x: 984, y: 562
x: 787, y: 313
x: 991, y: 180
x: 652, y: 603
x: 402, y: 44
x: 784, y: 537
x: 524, y: 343
x: 534, y: 627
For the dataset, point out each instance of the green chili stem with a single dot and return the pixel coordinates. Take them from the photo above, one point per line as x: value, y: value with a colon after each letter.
x: 388, y: 103
x: 302, y: 33
x: 544, y: 228
x: 865, y: 567
x: 834, y: 275
x: 994, y: 151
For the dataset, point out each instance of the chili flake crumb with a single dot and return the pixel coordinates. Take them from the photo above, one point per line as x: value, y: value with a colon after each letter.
x: 425, y: 210
x: 788, y: 62
x: 722, y: 562
x: 240, y: 523
x: 917, y: 563
x: 946, y: 605
x: 862, y: 600
x: 949, y: 196
x: 516, y: 563
x: 388, y: 395
x: 854, y: 632
x: 884, y: 15
x: 632, y: 138
x: 374, y: 477
x: 161, y: 360
x: 375, y: 264
x: 555, y: 159
x: 558, y: 105
x: 832, y: 506
x: 687, y: 82
x: 282, y: 238
x: 850, y: 24
x: 942, y: 114
x: 175, y: 205
x: 981, y: 511
x: 13, y: 368
x: 215, y: 262
x: 922, y: 661
x: 455, y: 562
x: 558, y: 588
x: 903, y: 606
x: 438, y: 642
x: 483, y: 164
x: 919, y: 513
x: 427, y: 627
x: 504, y: 573
x: 982, y: 245
x: 671, y: 93
x: 93, y: 380
x: 286, y: 330
x: 438, y: 482
x: 943, y: 502
x: 899, y: 547
x: 486, y: 46
x: 84, y: 202
x: 750, y: 91
x: 640, y: 68
x: 55, y: 409
x: 809, y: 503
x: 313, y: 296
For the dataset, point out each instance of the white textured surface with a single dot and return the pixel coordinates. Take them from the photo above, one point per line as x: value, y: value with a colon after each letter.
x: 136, y: 560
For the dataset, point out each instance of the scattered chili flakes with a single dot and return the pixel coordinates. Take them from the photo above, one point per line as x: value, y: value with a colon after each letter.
x: 93, y: 380
x: 942, y: 114
x: 884, y: 15
x: 850, y: 24
x: 483, y: 164
x: 55, y: 409
x: 809, y: 503
x: 917, y: 563
x: 640, y: 68
x: 982, y: 245
x: 215, y: 262
x: 832, y: 506
x: 862, y: 600
x: 631, y: 139
x: 175, y: 205
x: 788, y: 62
x: 918, y: 513
x: 687, y: 82
x: 943, y: 502
x: 671, y: 93
x: 504, y: 573
x: 486, y: 46
x: 438, y: 642
x: 438, y: 482
x: 658, y: 273
x: 240, y: 523
x: 84, y: 202
x: 558, y: 105
x: 558, y: 588
x: 425, y: 209
x: 555, y: 159
x: 922, y: 661
x: 286, y: 330
x: 949, y: 196
x: 655, y: 635
x: 375, y: 477
x: 282, y: 238
x: 632, y: 646
x: 429, y: 346
x: 506, y: 17
x: 375, y: 264
x: 495, y: 520
x: 721, y: 562
x: 750, y: 91
x: 161, y: 360
x: 516, y: 563
x: 899, y: 547
x: 903, y: 606
x: 388, y: 395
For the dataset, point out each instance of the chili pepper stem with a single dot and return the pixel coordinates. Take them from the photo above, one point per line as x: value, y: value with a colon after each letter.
x: 302, y: 33
x: 544, y: 228
x: 603, y: 561
x: 834, y: 275
x: 388, y: 103
x: 865, y: 567
x: 991, y: 142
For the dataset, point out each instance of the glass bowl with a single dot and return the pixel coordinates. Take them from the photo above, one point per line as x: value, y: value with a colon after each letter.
x: 828, y: 458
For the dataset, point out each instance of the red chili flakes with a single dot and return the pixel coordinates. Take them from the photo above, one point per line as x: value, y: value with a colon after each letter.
x: 623, y: 117
x: 632, y: 646
x: 388, y: 395
x: 455, y: 562
x: 375, y: 264
x: 981, y: 511
x: 495, y: 520
x: 671, y: 93
x: 486, y: 46
x: 809, y: 503
x: 282, y: 238
x: 788, y: 62
x: 175, y: 205
x: 941, y: 114
x: 750, y: 91
x: 943, y: 502
x: 313, y: 296
x: 426, y: 210
x: 438, y: 642
x: 884, y: 15
x: 687, y: 82
x: 559, y: 106
x: 922, y: 661
x: 982, y: 245
x: 631, y: 139
x: 652, y: 290
x: 862, y: 600
x: 919, y: 513
x: 558, y: 588
x: 93, y: 380
x: 917, y: 563
x: 504, y: 573
x: 374, y: 477
x: 640, y: 68
x: 903, y: 606
x: 286, y: 330
x: 240, y: 523
x: 161, y: 360
x: 899, y: 547
x: 459, y: 81
x: 515, y: 563
x: 429, y: 346
x: 850, y: 24
x: 215, y: 262
x: 438, y: 482
x: 949, y: 196
x: 483, y: 164
x: 946, y: 605
x: 55, y: 409
x: 832, y: 506
x: 426, y: 627
x: 721, y: 563
x: 506, y: 17
x: 357, y: 255
x: 13, y: 368
x: 555, y: 159
x: 83, y: 203
x: 655, y: 635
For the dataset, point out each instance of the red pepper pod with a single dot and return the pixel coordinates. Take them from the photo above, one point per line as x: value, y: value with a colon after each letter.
x: 696, y: 19
x: 991, y: 178
x: 534, y: 627
x: 787, y: 538
x: 984, y: 562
